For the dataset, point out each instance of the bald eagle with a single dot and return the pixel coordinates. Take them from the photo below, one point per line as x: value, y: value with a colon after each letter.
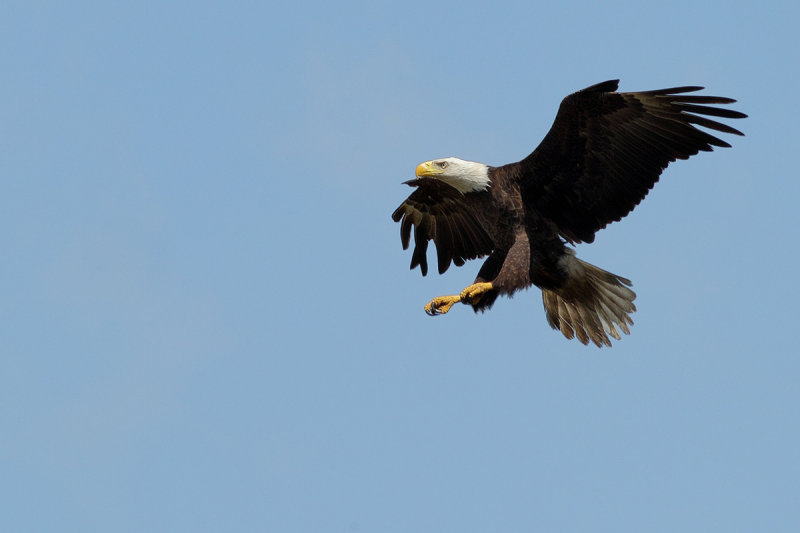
x: 602, y: 155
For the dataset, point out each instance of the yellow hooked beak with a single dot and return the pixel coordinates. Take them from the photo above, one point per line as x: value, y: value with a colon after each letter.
x: 427, y: 169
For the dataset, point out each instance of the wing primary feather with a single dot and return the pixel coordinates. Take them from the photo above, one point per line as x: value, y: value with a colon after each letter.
x: 444, y: 243
x: 398, y: 213
x: 671, y: 90
x: 698, y: 99
x: 457, y: 241
x: 464, y: 236
x: 419, y: 256
x: 713, y: 111
x: 712, y: 124
x: 405, y: 232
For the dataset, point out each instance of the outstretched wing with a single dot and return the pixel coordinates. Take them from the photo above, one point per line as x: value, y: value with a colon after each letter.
x: 452, y: 219
x: 606, y: 150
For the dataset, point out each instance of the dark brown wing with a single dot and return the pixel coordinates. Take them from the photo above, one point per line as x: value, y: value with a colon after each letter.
x: 606, y: 150
x: 440, y: 212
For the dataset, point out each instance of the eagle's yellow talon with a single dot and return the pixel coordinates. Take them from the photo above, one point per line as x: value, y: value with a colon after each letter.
x: 441, y: 304
x: 472, y: 294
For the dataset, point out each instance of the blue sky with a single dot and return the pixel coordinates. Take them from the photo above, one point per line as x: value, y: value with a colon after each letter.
x: 207, y: 321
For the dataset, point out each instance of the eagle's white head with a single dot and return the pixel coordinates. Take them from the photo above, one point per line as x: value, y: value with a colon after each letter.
x: 466, y: 176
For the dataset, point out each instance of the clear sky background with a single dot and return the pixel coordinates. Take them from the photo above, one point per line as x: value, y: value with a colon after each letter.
x: 207, y: 322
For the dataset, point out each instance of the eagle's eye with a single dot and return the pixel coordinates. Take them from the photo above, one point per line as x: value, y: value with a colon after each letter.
x: 442, y: 164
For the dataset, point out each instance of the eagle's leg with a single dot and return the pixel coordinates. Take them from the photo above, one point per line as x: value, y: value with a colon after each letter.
x: 472, y: 294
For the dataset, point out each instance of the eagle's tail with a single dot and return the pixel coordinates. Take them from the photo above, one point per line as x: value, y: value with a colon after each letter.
x: 591, y: 305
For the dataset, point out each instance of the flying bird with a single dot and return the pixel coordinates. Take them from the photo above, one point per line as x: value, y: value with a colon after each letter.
x: 602, y: 155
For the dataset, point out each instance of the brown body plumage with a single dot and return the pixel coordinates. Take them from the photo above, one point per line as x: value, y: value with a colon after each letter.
x: 602, y: 155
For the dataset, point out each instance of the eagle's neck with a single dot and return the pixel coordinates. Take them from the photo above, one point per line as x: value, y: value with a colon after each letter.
x: 466, y: 176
